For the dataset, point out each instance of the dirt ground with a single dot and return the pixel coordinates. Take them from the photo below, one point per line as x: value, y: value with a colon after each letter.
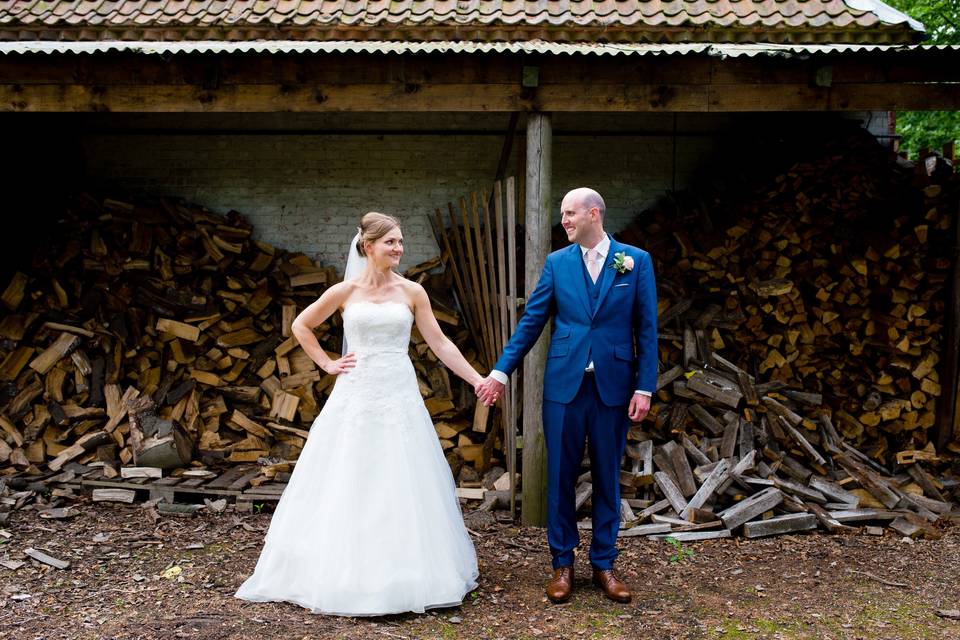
x: 131, y: 577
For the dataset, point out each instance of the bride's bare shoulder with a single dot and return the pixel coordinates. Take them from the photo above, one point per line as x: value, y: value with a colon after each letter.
x: 412, y: 290
x: 341, y: 290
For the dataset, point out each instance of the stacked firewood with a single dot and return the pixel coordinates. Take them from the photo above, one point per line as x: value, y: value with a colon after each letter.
x: 733, y: 455
x: 829, y: 275
x: 158, y: 334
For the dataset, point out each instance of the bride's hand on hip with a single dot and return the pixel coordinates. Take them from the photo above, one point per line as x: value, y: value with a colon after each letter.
x: 343, y: 365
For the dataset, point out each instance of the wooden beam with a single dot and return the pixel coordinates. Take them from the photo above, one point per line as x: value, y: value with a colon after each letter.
x: 538, y: 176
x: 411, y: 73
x: 396, y: 97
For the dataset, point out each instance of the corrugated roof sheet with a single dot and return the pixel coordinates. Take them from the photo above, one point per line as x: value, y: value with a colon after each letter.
x: 505, y: 20
x: 536, y: 46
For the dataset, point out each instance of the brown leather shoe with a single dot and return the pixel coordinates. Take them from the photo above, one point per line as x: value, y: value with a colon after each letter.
x: 613, y: 587
x: 561, y: 586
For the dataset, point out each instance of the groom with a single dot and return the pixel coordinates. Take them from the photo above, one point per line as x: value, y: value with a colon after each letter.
x: 600, y: 373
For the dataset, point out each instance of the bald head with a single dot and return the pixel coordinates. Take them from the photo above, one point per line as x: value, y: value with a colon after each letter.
x: 581, y: 214
x: 586, y: 198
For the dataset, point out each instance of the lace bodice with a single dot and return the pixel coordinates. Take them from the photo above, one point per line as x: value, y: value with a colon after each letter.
x: 377, y: 327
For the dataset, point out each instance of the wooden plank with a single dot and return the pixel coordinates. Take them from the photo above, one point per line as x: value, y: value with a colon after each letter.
x: 737, y: 472
x: 716, y: 388
x: 777, y: 408
x: 486, y: 251
x: 663, y: 463
x: 860, y: 515
x: 470, y: 494
x: 729, y: 442
x: 141, y: 472
x: 681, y: 466
x: 716, y: 477
x: 669, y: 376
x: 240, y: 483
x: 694, y: 536
x: 653, y: 509
x: 644, y: 530
x: 670, y: 491
x: 805, y: 445
x: 746, y: 440
x: 799, y: 490
x: 40, y: 556
x: 114, y: 495
x: 780, y: 524
x: 869, y: 480
x: 702, y: 416
x: 751, y: 507
x: 698, y: 456
x: 833, y: 490
x: 826, y: 521
x: 229, y: 477
x: 512, y: 309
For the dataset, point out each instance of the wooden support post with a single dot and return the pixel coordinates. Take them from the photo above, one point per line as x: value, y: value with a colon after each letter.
x: 948, y: 413
x: 538, y: 179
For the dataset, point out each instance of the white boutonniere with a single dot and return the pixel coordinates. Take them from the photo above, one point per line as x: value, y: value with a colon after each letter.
x: 622, y: 263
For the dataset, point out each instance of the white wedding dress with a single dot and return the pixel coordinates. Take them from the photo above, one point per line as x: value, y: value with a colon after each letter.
x: 369, y: 523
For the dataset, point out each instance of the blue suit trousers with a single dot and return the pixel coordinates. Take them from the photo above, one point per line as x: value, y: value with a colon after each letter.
x: 568, y: 427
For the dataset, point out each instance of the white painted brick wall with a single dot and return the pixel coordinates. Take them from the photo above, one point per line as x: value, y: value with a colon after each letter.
x: 307, y: 193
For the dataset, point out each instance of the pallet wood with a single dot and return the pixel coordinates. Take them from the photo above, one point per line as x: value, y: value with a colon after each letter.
x: 40, y: 556
x: 779, y: 525
x: 751, y: 507
x: 114, y: 495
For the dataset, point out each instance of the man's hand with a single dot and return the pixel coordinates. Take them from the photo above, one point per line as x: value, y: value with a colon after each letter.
x: 489, y: 391
x: 639, y: 407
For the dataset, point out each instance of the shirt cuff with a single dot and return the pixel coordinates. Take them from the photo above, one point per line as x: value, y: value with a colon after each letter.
x: 644, y: 393
x: 499, y: 376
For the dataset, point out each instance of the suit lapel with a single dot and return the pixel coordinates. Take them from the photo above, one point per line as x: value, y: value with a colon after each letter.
x: 575, y: 273
x: 607, y: 275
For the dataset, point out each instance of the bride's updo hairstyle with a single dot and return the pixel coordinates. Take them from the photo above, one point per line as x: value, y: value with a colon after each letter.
x: 374, y: 226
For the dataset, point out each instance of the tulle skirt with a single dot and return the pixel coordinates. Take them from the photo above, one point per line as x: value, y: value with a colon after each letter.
x: 369, y: 523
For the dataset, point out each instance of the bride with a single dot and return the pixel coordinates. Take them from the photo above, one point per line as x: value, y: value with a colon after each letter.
x: 369, y: 523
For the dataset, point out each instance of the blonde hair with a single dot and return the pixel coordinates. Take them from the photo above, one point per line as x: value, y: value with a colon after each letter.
x: 374, y: 226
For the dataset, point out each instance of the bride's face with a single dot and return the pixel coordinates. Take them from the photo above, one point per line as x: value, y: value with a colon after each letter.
x: 388, y: 250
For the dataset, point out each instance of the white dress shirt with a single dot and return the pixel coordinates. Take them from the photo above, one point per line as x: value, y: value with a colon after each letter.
x: 602, y: 248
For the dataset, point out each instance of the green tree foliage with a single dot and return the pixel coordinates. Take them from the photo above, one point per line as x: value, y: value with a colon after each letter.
x: 930, y: 128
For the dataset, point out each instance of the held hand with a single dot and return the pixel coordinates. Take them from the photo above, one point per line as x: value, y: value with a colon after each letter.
x: 489, y: 391
x: 639, y: 407
x: 343, y: 365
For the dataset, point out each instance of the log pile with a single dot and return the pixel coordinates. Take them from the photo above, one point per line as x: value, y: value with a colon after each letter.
x: 827, y: 280
x: 157, y: 334
x: 829, y: 275
x: 732, y: 455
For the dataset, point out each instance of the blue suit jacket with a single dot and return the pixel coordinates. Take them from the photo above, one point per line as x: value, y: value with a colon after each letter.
x: 620, y: 335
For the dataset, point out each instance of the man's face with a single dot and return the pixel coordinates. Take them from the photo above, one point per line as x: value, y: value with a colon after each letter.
x: 577, y: 220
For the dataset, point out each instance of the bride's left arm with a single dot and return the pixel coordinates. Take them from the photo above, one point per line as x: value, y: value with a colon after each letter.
x: 441, y: 345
